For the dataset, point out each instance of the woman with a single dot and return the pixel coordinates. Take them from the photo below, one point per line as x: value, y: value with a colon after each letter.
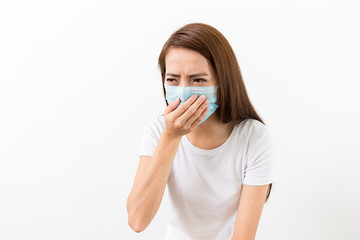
x: 210, y: 147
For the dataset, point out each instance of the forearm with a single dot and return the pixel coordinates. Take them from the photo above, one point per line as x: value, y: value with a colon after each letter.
x: 146, y: 195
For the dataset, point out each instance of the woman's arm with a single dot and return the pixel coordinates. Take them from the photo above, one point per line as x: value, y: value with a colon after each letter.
x: 251, y: 204
x: 153, y: 172
x: 150, y: 181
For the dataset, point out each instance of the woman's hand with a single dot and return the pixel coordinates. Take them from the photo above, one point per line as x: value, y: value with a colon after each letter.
x: 186, y: 117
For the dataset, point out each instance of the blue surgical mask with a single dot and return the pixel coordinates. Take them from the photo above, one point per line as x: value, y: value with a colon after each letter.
x: 173, y: 92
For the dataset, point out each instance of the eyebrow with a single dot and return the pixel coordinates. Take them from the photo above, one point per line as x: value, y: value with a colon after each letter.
x: 190, y: 76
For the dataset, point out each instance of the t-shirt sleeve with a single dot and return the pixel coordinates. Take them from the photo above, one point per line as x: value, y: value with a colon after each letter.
x: 260, y: 168
x: 150, y: 138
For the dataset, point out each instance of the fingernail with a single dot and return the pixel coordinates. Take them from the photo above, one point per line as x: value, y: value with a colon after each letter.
x: 195, y: 96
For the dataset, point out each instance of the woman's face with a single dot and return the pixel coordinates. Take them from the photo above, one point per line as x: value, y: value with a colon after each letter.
x: 185, y: 68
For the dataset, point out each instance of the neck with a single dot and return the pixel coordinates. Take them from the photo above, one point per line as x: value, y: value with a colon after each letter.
x: 211, y: 129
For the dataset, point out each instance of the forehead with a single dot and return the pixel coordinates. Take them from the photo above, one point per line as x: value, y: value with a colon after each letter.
x: 181, y: 59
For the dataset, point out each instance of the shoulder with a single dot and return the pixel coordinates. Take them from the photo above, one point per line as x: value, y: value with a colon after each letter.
x: 254, y: 130
x: 159, y: 121
x: 156, y: 125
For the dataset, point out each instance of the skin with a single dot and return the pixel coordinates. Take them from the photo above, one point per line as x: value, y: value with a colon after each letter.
x: 212, y: 133
x: 249, y: 211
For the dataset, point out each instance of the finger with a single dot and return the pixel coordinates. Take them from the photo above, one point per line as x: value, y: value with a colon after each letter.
x: 185, y: 105
x: 197, y: 114
x: 171, y: 106
x: 191, y: 110
x: 199, y: 119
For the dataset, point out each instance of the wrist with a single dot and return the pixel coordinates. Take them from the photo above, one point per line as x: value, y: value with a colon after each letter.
x: 170, y: 136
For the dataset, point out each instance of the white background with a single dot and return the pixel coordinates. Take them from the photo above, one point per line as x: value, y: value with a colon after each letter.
x: 79, y: 82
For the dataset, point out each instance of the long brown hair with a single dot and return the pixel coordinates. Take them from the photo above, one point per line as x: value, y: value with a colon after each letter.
x: 232, y: 99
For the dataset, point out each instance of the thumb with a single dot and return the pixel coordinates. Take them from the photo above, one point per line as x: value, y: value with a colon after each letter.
x: 172, y: 106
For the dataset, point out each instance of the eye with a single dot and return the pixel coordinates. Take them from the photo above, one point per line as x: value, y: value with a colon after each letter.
x: 200, y: 79
x: 169, y: 79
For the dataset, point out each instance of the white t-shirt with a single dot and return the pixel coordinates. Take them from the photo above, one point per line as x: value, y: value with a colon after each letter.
x: 204, y: 185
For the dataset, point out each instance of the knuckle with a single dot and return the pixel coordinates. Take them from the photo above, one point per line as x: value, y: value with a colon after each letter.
x: 197, y: 114
x: 183, y: 107
x: 191, y: 110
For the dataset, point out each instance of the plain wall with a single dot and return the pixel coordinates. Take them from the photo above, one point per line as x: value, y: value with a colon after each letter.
x: 79, y: 81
